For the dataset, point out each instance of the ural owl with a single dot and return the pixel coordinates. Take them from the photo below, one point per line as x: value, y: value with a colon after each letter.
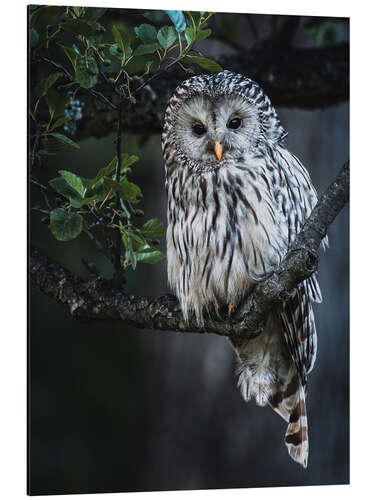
x: 236, y: 201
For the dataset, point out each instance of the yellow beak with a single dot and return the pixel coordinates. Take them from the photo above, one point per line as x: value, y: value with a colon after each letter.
x: 218, y: 148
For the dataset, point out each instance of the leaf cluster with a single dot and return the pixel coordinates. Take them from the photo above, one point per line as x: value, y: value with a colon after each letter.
x: 89, y: 203
x: 112, y: 57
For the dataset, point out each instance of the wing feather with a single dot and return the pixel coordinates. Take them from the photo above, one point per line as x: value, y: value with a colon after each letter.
x: 297, y: 314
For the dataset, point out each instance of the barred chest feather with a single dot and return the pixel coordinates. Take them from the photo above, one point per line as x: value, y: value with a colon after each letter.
x: 226, y: 230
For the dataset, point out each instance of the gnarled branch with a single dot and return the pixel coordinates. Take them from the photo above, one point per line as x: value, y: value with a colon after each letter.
x: 98, y: 299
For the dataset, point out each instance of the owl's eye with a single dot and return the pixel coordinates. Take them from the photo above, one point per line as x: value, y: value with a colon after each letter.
x: 199, y: 129
x: 234, y: 123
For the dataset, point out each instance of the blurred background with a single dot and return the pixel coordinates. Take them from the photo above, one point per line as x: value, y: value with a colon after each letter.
x: 114, y: 409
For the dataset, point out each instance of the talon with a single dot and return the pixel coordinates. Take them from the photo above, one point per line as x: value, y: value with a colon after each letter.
x: 231, y: 308
x: 217, y: 308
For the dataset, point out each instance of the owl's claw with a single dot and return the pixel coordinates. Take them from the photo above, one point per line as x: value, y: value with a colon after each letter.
x: 231, y: 309
x: 217, y: 309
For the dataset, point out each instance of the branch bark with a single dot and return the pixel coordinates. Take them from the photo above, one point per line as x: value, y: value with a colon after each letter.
x: 307, y: 78
x: 93, y: 299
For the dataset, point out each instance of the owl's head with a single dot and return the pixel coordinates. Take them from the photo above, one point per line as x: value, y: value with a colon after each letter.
x: 215, y: 119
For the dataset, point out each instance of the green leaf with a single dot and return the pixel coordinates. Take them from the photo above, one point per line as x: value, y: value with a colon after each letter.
x: 65, y: 226
x: 86, y: 72
x: 324, y: 32
x: 56, y: 102
x: 125, y: 210
x: 105, y: 171
x: 130, y: 256
x: 115, y: 50
x: 203, y: 34
x: 60, y: 185
x: 146, y: 49
x: 64, y: 139
x: 203, y: 62
x: 46, y: 15
x: 58, y: 123
x: 71, y: 54
x: 149, y: 255
x: 138, y: 241
x: 76, y: 49
x: 77, y: 26
x: 42, y: 88
x: 146, y: 33
x: 127, y: 190
x: 189, y: 35
x: 166, y: 36
x: 133, y: 259
x: 78, y: 11
x: 33, y: 37
x: 92, y: 67
x: 74, y: 181
x: 148, y: 65
x: 122, y: 37
x: 153, y: 228
x: 155, y: 16
x: 194, y: 17
x: 92, y: 14
x: 130, y: 191
x: 52, y: 145
x: 126, y: 161
x: 178, y: 19
x: 44, y: 152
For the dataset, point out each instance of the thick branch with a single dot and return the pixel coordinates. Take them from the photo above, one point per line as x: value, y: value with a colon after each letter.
x: 97, y: 299
x: 308, y: 78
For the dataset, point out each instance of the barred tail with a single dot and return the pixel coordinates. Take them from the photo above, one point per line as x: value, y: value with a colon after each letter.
x: 296, y: 437
x: 291, y: 405
x: 270, y: 368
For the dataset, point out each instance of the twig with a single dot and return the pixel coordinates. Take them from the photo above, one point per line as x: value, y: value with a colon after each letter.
x: 117, y: 257
x: 163, y: 70
x: 92, y: 91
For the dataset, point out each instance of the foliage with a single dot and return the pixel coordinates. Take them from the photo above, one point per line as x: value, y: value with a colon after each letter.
x: 112, y: 57
x: 325, y: 32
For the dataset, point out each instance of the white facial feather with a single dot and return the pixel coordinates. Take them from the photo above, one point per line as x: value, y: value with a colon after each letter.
x: 214, y: 114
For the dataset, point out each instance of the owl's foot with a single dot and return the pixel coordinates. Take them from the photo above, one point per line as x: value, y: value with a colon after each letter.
x: 231, y: 309
x: 217, y: 309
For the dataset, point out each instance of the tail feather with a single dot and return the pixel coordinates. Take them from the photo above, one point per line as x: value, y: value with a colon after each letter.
x: 290, y: 403
x: 296, y: 437
x: 273, y: 368
x: 287, y: 398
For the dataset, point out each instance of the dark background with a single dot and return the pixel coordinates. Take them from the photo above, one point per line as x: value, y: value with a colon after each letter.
x: 113, y: 408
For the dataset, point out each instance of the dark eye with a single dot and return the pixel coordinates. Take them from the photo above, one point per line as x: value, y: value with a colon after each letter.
x: 199, y: 129
x: 234, y: 123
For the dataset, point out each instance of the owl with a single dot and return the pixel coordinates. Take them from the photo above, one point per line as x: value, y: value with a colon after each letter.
x: 237, y: 198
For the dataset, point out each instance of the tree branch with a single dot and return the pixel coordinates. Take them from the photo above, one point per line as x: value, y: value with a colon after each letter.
x: 97, y: 299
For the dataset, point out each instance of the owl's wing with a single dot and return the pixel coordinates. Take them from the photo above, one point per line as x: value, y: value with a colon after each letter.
x: 297, y: 315
x: 299, y: 329
x: 297, y: 197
